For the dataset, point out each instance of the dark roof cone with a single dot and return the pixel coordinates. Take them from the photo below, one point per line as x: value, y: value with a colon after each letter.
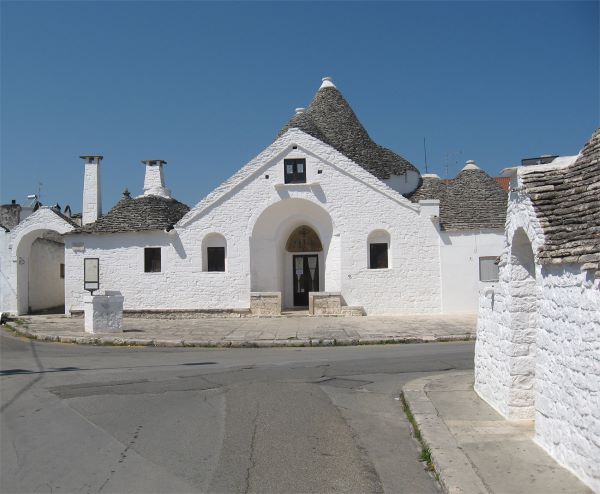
x: 330, y: 119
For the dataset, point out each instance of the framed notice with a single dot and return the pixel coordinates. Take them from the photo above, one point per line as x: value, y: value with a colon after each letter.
x: 91, y: 274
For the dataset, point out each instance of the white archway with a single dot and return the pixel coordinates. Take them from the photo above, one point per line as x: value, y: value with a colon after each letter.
x: 271, y: 264
x: 523, y: 324
x: 38, y: 259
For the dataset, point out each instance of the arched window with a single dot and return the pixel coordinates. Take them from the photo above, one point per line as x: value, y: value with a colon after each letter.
x: 378, y: 249
x: 304, y: 239
x: 214, y: 252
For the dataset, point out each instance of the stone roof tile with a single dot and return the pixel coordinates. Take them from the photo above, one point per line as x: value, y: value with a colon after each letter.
x: 138, y: 214
x: 473, y: 200
x: 567, y: 205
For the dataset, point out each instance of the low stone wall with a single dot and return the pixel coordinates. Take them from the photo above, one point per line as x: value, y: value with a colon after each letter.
x: 265, y: 303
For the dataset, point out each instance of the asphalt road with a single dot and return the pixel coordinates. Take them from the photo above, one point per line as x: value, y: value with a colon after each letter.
x: 119, y: 420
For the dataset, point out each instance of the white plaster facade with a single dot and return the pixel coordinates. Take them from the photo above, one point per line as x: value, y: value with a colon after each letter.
x: 30, y: 270
x: 537, y: 354
x: 251, y: 216
x: 460, y: 254
x: 255, y: 215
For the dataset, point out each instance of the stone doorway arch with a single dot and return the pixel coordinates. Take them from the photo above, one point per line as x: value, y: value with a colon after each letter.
x: 307, y: 225
x: 38, y: 262
x: 523, y: 327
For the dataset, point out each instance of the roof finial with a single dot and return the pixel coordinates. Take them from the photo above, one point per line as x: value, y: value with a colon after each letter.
x: 470, y: 165
x: 126, y: 193
x: 299, y: 111
x: 327, y: 82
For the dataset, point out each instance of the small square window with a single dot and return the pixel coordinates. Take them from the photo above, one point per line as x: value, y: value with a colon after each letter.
x: 488, y: 269
x: 215, y: 258
x: 295, y: 171
x: 62, y: 271
x: 152, y: 260
x: 378, y: 258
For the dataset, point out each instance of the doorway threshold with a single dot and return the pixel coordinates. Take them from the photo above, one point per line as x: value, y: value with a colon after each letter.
x: 295, y: 312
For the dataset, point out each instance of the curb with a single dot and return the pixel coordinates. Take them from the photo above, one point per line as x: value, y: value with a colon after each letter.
x: 121, y: 340
x: 456, y: 473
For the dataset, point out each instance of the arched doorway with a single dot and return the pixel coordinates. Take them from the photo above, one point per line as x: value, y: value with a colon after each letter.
x: 304, y: 245
x: 523, y: 325
x: 38, y: 255
x: 298, y: 224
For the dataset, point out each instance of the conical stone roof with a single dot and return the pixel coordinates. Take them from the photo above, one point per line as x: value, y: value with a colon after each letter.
x: 138, y: 214
x: 431, y: 187
x: 473, y: 200
x: 567, y: 206
x: 330, y: 119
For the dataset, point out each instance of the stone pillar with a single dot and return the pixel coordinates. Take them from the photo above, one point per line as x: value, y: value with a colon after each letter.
x: 92, y: 200
x: 103, y: 313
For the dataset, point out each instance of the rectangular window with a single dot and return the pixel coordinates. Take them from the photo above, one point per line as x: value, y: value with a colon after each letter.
x: 378, y: 255
x: 62, y: 271
x: 295, y: 171
x: 216, y: 258
x: 152, y: 260
x: 488, y: 269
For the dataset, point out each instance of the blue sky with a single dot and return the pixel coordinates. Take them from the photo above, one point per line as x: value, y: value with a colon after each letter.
x: 207, y: 85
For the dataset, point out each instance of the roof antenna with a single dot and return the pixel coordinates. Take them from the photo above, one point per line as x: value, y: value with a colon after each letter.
x: 425, y: 151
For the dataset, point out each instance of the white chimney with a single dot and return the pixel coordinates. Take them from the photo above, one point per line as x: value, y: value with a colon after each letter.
x: 92, y: 199
x: 154, y: 180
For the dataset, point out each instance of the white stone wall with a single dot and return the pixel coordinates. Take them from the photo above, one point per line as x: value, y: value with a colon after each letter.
x: 344, y: 204
x: 567, y: 404
x: 16, y: 263
x: 537, y: 354
x: 46, y: 287
x: 460, y: 253
x: 8, y: 285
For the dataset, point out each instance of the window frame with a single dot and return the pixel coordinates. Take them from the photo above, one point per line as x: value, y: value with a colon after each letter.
x: 497, y: 269
x: 209, y: 265
x: 373, y: 258
x: 149, y: 266
x: 295, y: 177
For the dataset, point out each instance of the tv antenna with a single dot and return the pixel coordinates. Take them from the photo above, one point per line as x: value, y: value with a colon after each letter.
x: 425, y: 152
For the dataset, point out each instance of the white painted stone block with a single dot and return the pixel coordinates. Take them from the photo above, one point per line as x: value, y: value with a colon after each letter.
x: 103, y: 313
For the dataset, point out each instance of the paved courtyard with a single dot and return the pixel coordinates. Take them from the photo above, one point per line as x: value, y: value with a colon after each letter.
x: 294, y: 330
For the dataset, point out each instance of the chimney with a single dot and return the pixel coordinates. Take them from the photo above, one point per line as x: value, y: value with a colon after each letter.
x: 92, y: 200
x: 154, y: 181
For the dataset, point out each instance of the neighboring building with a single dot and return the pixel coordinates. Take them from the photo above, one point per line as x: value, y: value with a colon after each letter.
x: 322, y: 209
x: 537, y: 354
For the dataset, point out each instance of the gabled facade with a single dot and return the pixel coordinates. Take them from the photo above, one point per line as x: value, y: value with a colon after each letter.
x: 323, y: 209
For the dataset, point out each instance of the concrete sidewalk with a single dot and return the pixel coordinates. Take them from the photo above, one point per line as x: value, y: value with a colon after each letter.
x: 254, y: 332
x: 474, y: 449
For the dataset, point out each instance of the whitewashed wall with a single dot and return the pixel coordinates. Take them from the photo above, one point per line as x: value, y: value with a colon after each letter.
x: 460, y: 253
x: 542, y: 361
x: 405, y: 183
x: 46, y: 287
x: 16, y: 263
x: 567, y: 404
x: 344, y: 203
x: 8, y: 286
